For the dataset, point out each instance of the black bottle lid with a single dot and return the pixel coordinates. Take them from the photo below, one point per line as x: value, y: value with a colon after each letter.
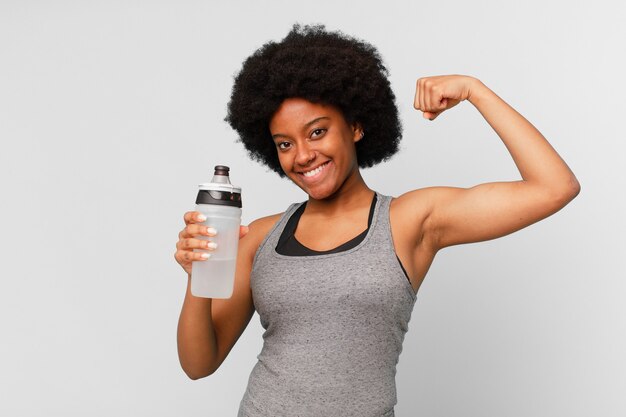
x: 219, y: 191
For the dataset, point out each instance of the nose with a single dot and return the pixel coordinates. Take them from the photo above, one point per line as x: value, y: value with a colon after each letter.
x: 304, y: 154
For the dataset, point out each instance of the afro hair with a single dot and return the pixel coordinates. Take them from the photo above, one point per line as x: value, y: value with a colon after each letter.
x: 323, y: 67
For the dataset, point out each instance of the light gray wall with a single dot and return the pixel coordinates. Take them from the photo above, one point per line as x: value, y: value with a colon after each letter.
x: 111, y: 114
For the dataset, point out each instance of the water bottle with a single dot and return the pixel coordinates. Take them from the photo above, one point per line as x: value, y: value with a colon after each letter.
x: 220, y: 202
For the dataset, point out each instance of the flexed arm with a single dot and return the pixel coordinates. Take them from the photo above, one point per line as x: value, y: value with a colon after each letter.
x: 491, y: 210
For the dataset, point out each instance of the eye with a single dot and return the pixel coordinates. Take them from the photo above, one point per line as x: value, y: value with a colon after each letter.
x: 283, y: 145
x: 318, y: 132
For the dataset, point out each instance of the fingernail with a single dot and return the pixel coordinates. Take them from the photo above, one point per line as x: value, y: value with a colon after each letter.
x: 205, y: 255
x: 211, y: 245
x: 201, y: 217
x: 211, y: 231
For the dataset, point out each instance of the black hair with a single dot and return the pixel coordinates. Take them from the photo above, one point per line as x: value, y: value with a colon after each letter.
x: 323, y: 67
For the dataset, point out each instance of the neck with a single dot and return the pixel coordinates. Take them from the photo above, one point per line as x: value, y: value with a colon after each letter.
x: 353, y: 194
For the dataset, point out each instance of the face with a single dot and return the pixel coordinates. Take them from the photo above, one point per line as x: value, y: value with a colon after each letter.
x: 315, y: 145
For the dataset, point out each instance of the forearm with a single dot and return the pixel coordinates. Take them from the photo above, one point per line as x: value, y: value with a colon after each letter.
x: 535, y: 158
x: 197, y: 344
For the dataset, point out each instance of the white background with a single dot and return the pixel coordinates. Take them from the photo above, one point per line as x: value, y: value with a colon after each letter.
x: 112, y: 112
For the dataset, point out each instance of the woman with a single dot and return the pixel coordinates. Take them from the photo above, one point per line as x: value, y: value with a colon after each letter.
x: 334, y: 279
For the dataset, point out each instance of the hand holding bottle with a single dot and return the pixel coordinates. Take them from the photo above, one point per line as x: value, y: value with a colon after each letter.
x: 188, y: 241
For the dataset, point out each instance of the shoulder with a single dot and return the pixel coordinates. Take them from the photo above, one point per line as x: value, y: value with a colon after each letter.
x: 262, y: 225
x: 413, y: 211
x: 257, y: 230
x: 413, y: 204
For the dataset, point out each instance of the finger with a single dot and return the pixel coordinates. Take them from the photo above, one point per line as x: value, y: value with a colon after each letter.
x: 191, y: 243
x: 189, y: 256
x: 440, y: 102
x: 416, y: 101
x: 437, y: 101
x: 194, y: 217
x: 429, y: 96
x: 434, y: 115
x: 243, y: 230
x: 422, y: 104
x: 431, y: 115
x: 418, y: 96
x: 197, y: 230
x: 200, y: 229
x: 188, y: 217
x: 443, y: 104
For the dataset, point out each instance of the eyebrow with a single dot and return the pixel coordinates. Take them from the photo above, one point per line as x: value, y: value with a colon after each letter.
x: 307, y: 124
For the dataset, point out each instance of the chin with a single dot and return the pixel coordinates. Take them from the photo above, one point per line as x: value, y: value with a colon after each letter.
x: 318, y: 193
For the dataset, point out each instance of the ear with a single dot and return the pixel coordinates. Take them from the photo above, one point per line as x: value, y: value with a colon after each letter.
x: 357, y: 131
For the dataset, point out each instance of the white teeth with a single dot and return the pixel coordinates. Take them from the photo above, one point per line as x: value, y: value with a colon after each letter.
x: 315, y: 171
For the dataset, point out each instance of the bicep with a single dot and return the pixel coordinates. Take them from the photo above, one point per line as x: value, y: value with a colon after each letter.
x: 487, y: 211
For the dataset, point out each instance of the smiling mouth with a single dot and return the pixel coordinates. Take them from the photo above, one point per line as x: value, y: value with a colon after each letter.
x: 315, y: 171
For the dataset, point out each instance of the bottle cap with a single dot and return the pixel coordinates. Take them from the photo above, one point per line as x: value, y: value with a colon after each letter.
x: 219, y: 191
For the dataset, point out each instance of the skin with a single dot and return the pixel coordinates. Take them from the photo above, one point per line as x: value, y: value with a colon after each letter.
x: 423, y: 221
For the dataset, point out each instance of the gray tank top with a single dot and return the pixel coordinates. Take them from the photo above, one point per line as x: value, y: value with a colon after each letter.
x: 334, y: 326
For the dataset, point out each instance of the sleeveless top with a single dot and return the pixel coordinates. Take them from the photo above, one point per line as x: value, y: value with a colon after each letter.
x: 334, y: 326
x: 289, y: 245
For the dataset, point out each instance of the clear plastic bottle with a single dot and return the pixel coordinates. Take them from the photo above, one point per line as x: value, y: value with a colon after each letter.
x: 220, y: 202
